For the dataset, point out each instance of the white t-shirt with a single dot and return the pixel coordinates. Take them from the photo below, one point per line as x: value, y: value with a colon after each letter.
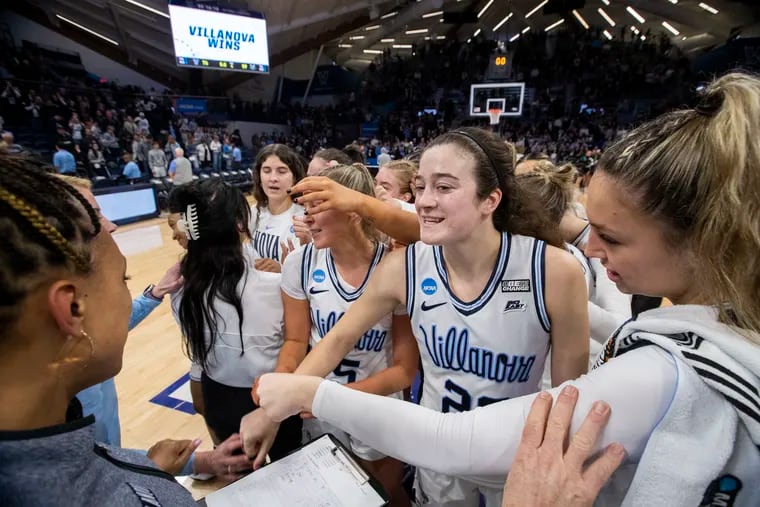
x: 262, y: 329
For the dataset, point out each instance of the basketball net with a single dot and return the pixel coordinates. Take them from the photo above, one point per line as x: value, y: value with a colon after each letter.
x: 494, y: 116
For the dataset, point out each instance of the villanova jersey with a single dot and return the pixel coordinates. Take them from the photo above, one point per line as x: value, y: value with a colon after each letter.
x: 490, y: 349
x: 268, y: 231
x: 329, y: 297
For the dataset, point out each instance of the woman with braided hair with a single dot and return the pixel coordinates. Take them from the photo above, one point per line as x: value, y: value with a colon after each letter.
x: 64, y: 314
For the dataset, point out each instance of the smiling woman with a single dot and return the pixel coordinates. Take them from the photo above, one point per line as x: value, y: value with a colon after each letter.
x: 486, y: 264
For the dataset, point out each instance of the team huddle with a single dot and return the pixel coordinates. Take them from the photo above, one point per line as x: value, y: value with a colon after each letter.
x: 423, y: 337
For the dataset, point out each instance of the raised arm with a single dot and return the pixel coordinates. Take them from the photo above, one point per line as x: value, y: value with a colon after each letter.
x: 385, y: 291
x: 406, y: 357
x: 481, y: 444
x: 393, y: 221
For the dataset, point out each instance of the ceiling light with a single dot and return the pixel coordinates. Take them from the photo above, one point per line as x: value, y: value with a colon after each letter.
x: 93, y: 32
x: 484, y: 9
x: 580, y: 19
x: 525, y: 30
x: 370, y: 28
x: 468, y: 41
x: 607, y: 34
x: 684, y: 38
x: 432, y: 14
x: 643, y: 37
x: 514, y: 37
x: 635, y: 14
x: 477, y: 32
x: 373, y: 52
x: 151, y: 9
x: 606, y: 2
x: 356, y: 37
x: 440, y: 37
x: 554, y: 25
x: 635, y: 30
x: 387, y: 40
x: 389, y: 15
x: 414, y: 32
x: 506, y: 18
x: 670, y: 28
x: 345, y: 46
x: 402, y: 46
x: 606, y: 16
x: 708, y: 8
x: 536, y: 8
x: 674, y: 2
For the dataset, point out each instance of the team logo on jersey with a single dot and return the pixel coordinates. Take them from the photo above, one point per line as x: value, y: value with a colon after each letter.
x: 429, y: 286
x: 425, y: 306
x: 318, y: 276
x: 722, y: 492
x: 515, y: 285
x: 515, y: 305
x: 292, y: 229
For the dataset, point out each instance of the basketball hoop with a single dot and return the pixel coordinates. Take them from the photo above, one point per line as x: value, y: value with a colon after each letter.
x: 494, y: 115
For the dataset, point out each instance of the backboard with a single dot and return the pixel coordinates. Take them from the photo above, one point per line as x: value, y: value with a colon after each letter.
x: 506, y: 96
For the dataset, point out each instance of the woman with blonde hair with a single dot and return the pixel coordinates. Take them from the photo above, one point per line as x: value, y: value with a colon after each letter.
x: 395, y: 183
x: 553, y: 187
x: 674, y: 212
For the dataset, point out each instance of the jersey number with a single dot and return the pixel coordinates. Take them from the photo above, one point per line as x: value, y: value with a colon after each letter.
x: 347, y: 368
x: 464, y: 402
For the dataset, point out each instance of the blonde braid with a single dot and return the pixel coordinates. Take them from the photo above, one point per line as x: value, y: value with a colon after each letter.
x: 37, y: 221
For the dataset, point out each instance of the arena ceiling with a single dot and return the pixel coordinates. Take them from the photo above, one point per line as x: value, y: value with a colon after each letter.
x: 352, y: 32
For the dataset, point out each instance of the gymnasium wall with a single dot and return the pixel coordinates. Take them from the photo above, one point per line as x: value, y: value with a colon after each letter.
x: 24, y: 29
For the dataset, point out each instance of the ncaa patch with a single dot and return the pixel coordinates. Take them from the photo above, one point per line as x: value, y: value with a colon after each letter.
x: 722, y: 492
x: 429, y: 286
x: 515, y: 305
x: 515, y: 285
x: 318, y: 276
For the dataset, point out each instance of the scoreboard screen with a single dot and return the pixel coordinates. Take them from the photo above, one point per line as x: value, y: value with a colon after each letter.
x: 209, y: 36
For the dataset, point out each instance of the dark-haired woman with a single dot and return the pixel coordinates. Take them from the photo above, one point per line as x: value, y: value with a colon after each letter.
x: 63, y: 325
x: 486, y: 297
x: 228, y: 311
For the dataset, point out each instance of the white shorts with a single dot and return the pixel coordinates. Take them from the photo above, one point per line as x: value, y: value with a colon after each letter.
x: 439, y: 490
x: 314, y: 428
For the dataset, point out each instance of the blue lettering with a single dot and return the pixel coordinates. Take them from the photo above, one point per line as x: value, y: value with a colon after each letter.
x: 193, y: 29
x: 267, y: 245
x: 236, y: 46
x: 213, y: 43
x: 372, y: 341
x: 228, y: 44
x: 452, y: 351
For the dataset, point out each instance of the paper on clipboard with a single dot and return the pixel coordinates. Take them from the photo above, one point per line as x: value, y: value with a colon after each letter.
x: 320, y: 474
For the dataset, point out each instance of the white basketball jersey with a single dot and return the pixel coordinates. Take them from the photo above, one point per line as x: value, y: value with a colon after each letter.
x: 268, y: 231
x: 329, y: 297
x: 479, y: 352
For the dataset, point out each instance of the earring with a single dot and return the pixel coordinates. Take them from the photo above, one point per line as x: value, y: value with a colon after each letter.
x: 92, y: 347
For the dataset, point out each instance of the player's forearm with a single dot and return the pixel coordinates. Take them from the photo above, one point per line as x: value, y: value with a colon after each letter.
x: 395, y: 222
x: 291, y: 355
x: 326, y: 355
x: 389, y: 381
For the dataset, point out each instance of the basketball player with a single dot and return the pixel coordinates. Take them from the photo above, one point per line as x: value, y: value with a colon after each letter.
x: 395, y: 183
x: 487, y: 301
x: 674, y: 212
x: 277, y: 169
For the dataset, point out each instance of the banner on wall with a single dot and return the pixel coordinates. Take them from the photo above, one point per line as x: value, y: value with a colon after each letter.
x: 186, y: 105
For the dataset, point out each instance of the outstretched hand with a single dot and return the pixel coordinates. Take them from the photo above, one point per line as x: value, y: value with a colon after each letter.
x: 548, y: 473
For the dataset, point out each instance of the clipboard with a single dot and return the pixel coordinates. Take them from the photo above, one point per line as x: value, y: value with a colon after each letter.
x: 322, y: 472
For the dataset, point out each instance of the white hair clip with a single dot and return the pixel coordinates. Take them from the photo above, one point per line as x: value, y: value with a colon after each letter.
x: 188, y: 223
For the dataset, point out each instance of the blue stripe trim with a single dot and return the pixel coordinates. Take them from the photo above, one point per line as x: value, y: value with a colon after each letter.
x: 306, y: 267
x: 165, y: 399
x: 538, y: 271
x: 410, y: 276
x: 332, y: 271
x: 502, y: 259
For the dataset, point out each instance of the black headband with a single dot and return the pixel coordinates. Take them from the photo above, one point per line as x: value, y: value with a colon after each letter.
x: 482, y: 148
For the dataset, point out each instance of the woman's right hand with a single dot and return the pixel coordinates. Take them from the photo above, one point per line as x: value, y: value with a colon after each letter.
x: 329, y: 194
x: 258, y: 432
x: 224, y: 461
